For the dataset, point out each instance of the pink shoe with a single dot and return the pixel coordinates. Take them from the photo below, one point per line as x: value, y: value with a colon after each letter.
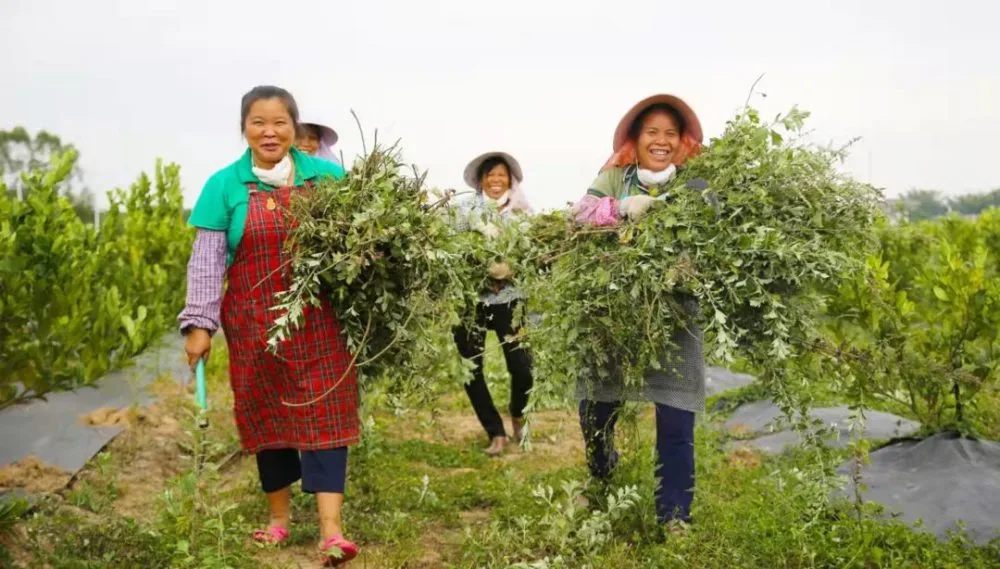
x: 338, y: 550
x: 274, y: 535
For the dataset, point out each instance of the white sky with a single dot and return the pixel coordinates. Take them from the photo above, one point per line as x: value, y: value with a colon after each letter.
x: 128, y: 81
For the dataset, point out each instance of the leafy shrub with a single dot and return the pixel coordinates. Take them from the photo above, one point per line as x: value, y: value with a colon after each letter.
x: 920, y: 329
x: 75, y: 303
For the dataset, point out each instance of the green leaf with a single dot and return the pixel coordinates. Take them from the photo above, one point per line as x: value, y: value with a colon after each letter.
x: 940, y: 294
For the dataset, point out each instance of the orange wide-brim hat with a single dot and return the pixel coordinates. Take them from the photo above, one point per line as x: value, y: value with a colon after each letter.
x: 692, y: 126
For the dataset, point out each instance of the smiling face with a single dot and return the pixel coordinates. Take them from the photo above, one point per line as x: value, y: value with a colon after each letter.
x: 269, y: 130
x: 658, y: 141
x: 495, y: 181
x: 308, y: 139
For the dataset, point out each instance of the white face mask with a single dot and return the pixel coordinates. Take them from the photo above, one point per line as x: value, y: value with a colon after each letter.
x: 500, y: 201
x: 651, y: 178
x: 277, y: 176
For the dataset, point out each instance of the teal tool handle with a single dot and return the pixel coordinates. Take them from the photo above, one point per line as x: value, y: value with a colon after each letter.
x: 200, y: 393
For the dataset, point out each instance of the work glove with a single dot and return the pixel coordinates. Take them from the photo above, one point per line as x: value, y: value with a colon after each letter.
x: 634, y: 207
x: 490, y: 230
x: 499, y: 271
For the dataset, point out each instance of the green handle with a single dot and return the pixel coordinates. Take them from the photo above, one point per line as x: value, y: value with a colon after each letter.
x: 201, y: 393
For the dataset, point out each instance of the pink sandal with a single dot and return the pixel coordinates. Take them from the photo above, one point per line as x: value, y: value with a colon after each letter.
x: 274, y: 535
x: 338, y: 550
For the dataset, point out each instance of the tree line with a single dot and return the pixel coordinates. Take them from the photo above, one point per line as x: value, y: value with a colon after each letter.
x: 917, y: 204
x: 22, y: 152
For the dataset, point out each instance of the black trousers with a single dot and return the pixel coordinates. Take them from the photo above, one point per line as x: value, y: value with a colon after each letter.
x: 674, y: 453
x: 472, y: 342
x: 320, y: 470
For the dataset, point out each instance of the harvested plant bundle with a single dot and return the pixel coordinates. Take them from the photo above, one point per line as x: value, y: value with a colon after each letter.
x: 389, y: 262
x: 742, y: 257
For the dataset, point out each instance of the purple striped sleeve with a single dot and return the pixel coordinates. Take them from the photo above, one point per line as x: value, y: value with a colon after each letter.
x: 206, y: 270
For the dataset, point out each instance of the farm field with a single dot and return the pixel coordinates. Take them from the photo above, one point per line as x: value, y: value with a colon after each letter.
x: 422, y: 494
x: 910, y: 326
x: 760, y: 242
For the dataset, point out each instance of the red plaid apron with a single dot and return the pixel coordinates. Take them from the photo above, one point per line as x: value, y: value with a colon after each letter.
x: 304, y: 366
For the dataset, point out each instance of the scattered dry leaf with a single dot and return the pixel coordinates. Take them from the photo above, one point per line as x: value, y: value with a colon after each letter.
x: 34, y: 476
x: 739, y: 430
x: 744, y: 457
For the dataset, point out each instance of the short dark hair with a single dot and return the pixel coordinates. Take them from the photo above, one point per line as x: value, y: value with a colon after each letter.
x: 489, y: 164
x: 263, y: 93
x: 634, y: 130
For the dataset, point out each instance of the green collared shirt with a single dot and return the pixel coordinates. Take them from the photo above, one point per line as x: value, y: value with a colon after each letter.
x: 222, y: 205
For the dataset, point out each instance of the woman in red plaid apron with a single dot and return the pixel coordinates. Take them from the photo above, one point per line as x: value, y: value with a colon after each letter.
x: 296, y: 407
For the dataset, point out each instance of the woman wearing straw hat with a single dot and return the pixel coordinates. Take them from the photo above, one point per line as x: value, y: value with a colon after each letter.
x: 496, y: 177
x: 317, y: 139
x: 653, y: 140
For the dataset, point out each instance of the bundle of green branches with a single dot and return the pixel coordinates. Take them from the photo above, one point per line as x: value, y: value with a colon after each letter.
x: 385, y: 256
x: 742, y: 258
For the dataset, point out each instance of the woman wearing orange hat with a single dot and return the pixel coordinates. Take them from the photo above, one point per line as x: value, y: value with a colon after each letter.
x: 653, y: 140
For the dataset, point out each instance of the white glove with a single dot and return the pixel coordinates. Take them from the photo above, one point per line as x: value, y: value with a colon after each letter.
x: 490, y: 230
x: 634, y: 207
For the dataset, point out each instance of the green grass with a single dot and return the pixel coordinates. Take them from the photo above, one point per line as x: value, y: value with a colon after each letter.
x: 771, y: 515
x: 422, y: 494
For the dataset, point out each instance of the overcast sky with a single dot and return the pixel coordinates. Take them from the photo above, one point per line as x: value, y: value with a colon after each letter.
x: 130, y: 81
